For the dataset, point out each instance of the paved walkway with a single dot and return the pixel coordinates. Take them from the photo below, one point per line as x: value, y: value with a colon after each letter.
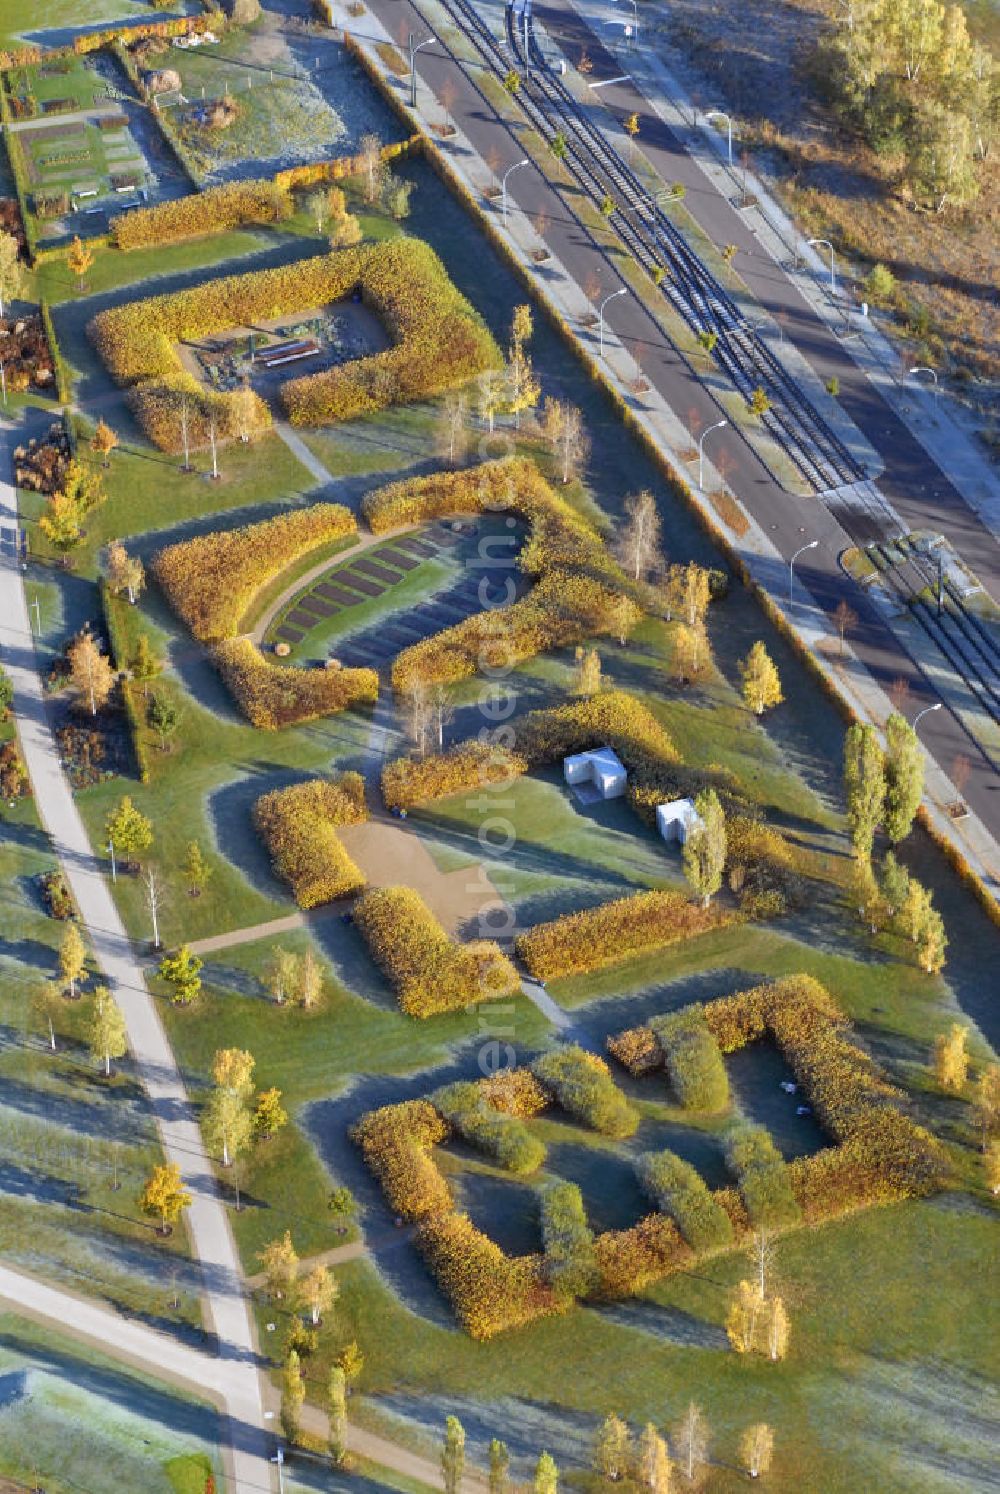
x: 215, y: 1379
x: 77, y: 116
x: 180, y: 1136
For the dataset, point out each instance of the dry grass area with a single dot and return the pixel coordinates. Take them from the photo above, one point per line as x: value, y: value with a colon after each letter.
x: 753, y: 56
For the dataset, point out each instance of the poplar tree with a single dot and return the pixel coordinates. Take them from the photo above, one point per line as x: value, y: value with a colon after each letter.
x: 704, y: 855
x: 904, y: 777
x: 864, y: 784
x: 453, y: 1455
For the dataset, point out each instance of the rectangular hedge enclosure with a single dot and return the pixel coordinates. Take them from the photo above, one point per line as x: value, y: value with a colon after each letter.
x: 438, y: 340
x: 879, y: 1156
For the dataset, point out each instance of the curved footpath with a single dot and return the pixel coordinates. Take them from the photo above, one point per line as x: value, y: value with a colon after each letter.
x: 224, y: 1296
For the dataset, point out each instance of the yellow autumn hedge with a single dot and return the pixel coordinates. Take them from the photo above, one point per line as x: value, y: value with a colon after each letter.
x: 491, y: 1292
x: 580, y: 590
x: 395, y: 1141
x: 274, y: 695
x: 211, y: 580
x: 612, y: 719
x: 299, y: 827
x: 438, y: 340
x: 429, y: 972
x: 616, y: 931
x: 215, y: 210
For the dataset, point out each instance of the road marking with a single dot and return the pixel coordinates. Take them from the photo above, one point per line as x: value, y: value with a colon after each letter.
x: 622, y: 78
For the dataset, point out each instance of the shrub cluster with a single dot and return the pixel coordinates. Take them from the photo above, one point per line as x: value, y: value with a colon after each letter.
x: 615, y: 931
x: 568, y: 1241
x: 637, y: 1050
x: 612, y: 719
x: 438, y: 340
x: 395, y: 1141
x: 679, y: 1191
x: 217, y: 210
x: 515, y: 1092
x: 272, y: 695
x: 490, y: 1291
x: 581, y: 1083
x: 764, y: 1180
x: 298, y: 825
x: 429, y: 972
x: 692, y: 1058
x: 501, y: 1136
x: 211, y: 580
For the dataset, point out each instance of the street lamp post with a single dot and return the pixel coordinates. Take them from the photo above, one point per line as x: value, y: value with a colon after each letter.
x: 937, y: 706
x: 503, y: 186
x: 620, y: 292
x: 721, y: 114
x: 701, y: 451
x: 279, y: 1458
x: 414, y: 49
x: 791, y: 565
x: 635, y: 22
x: 114, y: 869
x: 825, y: 243
x: 923, y: 368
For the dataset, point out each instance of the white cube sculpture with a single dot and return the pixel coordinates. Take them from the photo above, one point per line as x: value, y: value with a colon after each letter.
x: 676, y: 820
x: 601, y: 767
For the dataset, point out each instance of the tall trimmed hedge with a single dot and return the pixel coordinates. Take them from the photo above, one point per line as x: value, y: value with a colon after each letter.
x: 217, y: 210
x: 693, y: 1060
x: 395, y: 1141
x: 615, y: 931
x: 429, y: 972
x: 503, y: 1137
x: 583, y: 1086
x: 490, y: 1291
x: 298, y: 826
x: 211, y: 580
x: 437, y: 339
x: 568, y: 1240
x: 763, y: 1178
x: 273, y: 696
x: 678, y: 1190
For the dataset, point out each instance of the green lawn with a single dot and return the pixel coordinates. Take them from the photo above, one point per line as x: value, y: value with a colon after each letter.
x: 64, y: 1129
x: 73, y: 1419
x: 65, y: 78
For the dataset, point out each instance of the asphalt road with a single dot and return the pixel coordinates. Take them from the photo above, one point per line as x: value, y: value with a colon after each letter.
x: 789, y: 520
x: 916, y: 487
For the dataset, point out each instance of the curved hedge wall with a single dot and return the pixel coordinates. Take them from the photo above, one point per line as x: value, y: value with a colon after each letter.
x: 693, y: 1059
x: 275, y: 695
x: 583, y: 1086
x: 211, y: 580
x: 503, y: 1137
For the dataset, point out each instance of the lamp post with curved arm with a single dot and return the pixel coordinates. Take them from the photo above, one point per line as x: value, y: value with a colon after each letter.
x: 937, y: 706
x: 721, y: 114
x: 413, y: 66
x: 833, y: 272
x: 503, y: 186
x: 923, y: 368
x: 701, y: 450
x: 620, y: 292
x: 791, y: 566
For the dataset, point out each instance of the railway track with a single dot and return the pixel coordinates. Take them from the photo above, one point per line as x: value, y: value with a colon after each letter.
x: 695, y: 294
x: 705, y: 305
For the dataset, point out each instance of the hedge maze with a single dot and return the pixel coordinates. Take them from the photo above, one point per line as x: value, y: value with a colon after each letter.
x: 876, y: 1155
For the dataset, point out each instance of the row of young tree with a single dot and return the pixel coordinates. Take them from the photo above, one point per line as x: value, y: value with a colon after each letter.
x: 883, y: 787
